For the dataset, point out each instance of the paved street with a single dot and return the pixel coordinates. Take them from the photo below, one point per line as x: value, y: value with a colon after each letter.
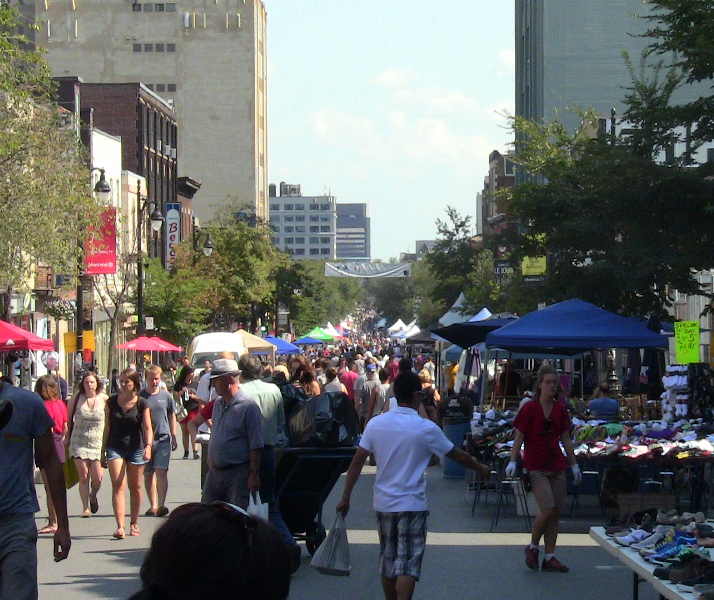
x: 462, y: 559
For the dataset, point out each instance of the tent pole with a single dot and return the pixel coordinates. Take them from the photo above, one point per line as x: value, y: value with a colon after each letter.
x: 484, y: 377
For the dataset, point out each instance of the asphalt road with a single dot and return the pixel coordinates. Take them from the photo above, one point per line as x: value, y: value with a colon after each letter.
x: 462, y: 559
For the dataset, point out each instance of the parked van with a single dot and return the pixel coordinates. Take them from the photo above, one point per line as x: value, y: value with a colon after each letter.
x: 208, y: 346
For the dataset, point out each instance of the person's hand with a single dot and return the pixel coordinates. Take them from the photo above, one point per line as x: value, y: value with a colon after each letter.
x: 253, y: 482
x: 147, y: 452
x: 511, y: 468
x: 174, y: 443
x: 484, y: 471
x: 343, y: 507
x: 62, y: 543
x: 577, y: 475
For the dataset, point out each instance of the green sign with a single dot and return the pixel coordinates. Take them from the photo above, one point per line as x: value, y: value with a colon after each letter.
x: 686, y: 339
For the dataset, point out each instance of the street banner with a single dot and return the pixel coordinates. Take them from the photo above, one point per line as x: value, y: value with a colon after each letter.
x: 173, y: 231
x: 686, y: 341
x: 534, y: 266
x: 100, y: 253
x: 367, y: 270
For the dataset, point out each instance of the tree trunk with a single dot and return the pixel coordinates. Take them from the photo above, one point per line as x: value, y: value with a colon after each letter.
x: 7, y: 303
x: 113, y: 322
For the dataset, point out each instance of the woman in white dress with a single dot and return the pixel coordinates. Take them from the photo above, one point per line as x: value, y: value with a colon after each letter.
x: 87, y: 418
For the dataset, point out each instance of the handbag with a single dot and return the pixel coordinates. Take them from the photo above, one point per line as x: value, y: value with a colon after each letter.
x: 180, y: 408
x: 333, y: 555
x: 256, y: 508
x: 71, y: 477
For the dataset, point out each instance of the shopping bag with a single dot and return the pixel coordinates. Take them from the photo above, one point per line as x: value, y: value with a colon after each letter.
x: 256, y: 508
x: 333, y: 555
x: 71, y: 477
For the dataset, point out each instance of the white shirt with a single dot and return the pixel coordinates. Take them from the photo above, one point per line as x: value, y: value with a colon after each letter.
x: 402, y: 443
x: 204, y: 390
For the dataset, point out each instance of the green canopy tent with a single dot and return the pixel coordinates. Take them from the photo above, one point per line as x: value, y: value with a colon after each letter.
x: 319, y: 334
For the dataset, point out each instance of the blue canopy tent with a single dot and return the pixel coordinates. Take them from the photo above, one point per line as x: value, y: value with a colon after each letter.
x: 308, y: 341
x: 572, y: 326
x: 282, y: 347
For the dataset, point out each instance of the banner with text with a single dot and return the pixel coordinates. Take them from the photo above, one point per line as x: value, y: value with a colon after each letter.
x: 173, y: 231
x: 686, y: 340
x: 100, y: 253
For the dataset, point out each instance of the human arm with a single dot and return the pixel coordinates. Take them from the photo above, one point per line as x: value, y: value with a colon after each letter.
x: 468, y: 461
x: 46, y: 456
x: 515, y: 454
x: 254, y: 470
x: 574, y: 467
x: 353, y: 474
x: 372, y: 403
x: 172, y: 428
x: 254, y: 423
x: 148, y: 431
x: 70, y: 419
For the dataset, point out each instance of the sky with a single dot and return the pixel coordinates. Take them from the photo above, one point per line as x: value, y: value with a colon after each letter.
x: 396, y: 103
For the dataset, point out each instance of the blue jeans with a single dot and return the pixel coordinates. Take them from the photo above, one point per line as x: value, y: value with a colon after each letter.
x: 18, y: 557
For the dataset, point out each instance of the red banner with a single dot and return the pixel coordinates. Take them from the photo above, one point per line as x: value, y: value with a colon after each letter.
x: 100, y: 254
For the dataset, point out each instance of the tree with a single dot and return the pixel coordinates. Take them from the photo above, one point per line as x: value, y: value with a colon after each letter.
x: 684, y: 31
x: 46, y: 205
x: 621, y: 229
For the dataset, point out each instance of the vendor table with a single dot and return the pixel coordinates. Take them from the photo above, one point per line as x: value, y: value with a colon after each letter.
x: 641, y: 569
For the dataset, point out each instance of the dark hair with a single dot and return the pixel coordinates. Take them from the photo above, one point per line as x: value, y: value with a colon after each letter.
x: 249, y: 366
x: 181, y: 379
x: 405, y: 386
x: 405, y: 365
x: 383, y: 375
x: 100, y: 383
x: 331, y: 373
x: 247, y: 557
x: 134, y: 376
x: 47, y: 388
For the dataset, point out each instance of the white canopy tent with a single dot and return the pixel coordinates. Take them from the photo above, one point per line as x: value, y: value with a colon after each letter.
x: 399, y: 325
x: 481, y: 315
x: 455, y: 314
x: 330, y: 328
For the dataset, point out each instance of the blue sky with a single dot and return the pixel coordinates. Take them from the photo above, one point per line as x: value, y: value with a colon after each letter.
x: 390, y: 102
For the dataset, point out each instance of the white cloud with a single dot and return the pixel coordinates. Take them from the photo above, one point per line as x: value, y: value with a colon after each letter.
x: 395, y: 78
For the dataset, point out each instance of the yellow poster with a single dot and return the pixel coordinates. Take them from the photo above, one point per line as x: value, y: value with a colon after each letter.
x: 70, y: 341
x: 534, y: 266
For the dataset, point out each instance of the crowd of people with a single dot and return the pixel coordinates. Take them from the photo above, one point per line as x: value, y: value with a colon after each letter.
x: 131, y: 429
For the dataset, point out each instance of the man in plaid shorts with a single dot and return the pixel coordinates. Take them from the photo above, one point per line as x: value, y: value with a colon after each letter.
x: 402, y: 443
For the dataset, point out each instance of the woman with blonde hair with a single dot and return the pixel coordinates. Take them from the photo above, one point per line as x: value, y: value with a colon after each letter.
x: 85, y: 438
x: 543, y: 424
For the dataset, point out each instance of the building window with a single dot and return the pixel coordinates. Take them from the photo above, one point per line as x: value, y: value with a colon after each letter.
x: 300, y: 251
x: 136, y: 47
x: 148, y: 8
x: 148, y: 47
x: 274, y: 219
x: 314, y: 240
x: 299, y: 240
x: 289, y: 251
x: 300, y: 228
x: 288, y: 229
x: 136, y: 7
x: 170, y: 7
x: 314, y: 207
x: 324, y: 219
x: 159, y: 7
x: 275, y: 241
x: 275, y: 228
x: 288, y: 240
x: 325, y: 240
x: 325, y: 206
x: 289, y: 218
x: 170, y: 47
x: 314, y: 251
x: 325, y: 251
x: 171, y: 87
x: 314, y: 219
x: 275, y: 207
x: 288, y: 207
x: 325, y: 228
x: 299, y: 207
x: 159, y: 47
x: 300, y: 218
x: 160, y: 87
x: 314, y: 229
x: 150, y: 86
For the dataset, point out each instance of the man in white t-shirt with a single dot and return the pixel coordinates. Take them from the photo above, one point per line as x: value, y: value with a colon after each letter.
x: 402, y: 443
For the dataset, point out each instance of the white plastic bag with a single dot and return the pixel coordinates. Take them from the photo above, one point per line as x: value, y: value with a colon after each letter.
x: 256, y: 508
x: 333, y: 555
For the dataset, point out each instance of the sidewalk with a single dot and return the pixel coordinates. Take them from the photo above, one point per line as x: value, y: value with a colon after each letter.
x: 462, y: 560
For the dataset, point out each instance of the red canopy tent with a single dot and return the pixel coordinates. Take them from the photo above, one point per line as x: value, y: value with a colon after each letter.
x: 149, y: 344
x: 13, y: 337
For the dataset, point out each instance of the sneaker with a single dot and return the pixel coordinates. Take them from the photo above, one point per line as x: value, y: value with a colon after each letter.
x: 637, y: 535
x: 185, y: 455
x: 554, y: 566
x: 657, y: 536
x: 531, y: 558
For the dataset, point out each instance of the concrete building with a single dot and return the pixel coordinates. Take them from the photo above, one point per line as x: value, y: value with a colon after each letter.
x: 569, y: 55
x: 353, y: 232
x: 303, y: 226
x: 501, y: 175
x: 208, y: 59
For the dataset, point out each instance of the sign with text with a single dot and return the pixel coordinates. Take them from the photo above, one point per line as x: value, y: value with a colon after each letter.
x: 173, y: 232
x: 686, y: 341
x: 100, y: 253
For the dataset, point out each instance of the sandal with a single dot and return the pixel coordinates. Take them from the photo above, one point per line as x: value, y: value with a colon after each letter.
x: 51, y: 529
x: 86, y: 514
x: 150, y: 513
x: 162, y: 512
x: 118, y: 534
x: 134, y: 530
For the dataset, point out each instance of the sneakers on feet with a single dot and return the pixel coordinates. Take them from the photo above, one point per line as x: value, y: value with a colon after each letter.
x: 554, y: 565
x: 531, y: 558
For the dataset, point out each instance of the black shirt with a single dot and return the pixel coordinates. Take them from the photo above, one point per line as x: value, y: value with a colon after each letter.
x: 125, y: 428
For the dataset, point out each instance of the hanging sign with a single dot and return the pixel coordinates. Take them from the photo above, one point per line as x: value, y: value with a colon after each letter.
x: 100, y: 254
x: 173, y: 231
x: 686, y: 341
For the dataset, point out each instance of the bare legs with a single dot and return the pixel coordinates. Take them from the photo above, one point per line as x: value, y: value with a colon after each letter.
x: 185, y: 437
x: 90, y: 472
x: 400, y: 588
x: 546, y: 525
x: 122, y: 472
x: 51, y: 526
x: 157, y: 485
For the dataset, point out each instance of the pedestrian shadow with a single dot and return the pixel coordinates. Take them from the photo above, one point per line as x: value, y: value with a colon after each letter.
x: 114, y: 586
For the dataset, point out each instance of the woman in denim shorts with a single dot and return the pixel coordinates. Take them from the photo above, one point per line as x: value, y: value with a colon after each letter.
x: 129, y: 440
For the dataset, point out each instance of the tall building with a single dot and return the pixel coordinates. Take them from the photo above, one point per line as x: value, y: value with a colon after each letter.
x: 207, y: 58
x: 303, y: 226
x: 353, y: 232
x: 501, y: 175
x: 569, y: 55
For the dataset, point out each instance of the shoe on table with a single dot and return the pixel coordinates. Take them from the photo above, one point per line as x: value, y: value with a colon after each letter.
x: 531, y: 558
x: 657, y: 536
x: 636, y: 535
x: 554, y: 566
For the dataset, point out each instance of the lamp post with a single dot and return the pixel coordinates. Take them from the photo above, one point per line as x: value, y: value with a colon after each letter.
x: 156, y: 220
x: 103, y: 193
x: 207, y: 248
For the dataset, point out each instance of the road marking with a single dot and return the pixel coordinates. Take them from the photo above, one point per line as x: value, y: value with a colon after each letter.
x: 434, y: 538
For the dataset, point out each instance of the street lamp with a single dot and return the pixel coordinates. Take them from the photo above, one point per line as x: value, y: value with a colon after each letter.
x: 156, y: 220
x: 207, y: 248
x: 102, y: 189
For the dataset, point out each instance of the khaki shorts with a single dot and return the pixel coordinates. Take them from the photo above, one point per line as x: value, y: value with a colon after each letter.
x: 549, y: 488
